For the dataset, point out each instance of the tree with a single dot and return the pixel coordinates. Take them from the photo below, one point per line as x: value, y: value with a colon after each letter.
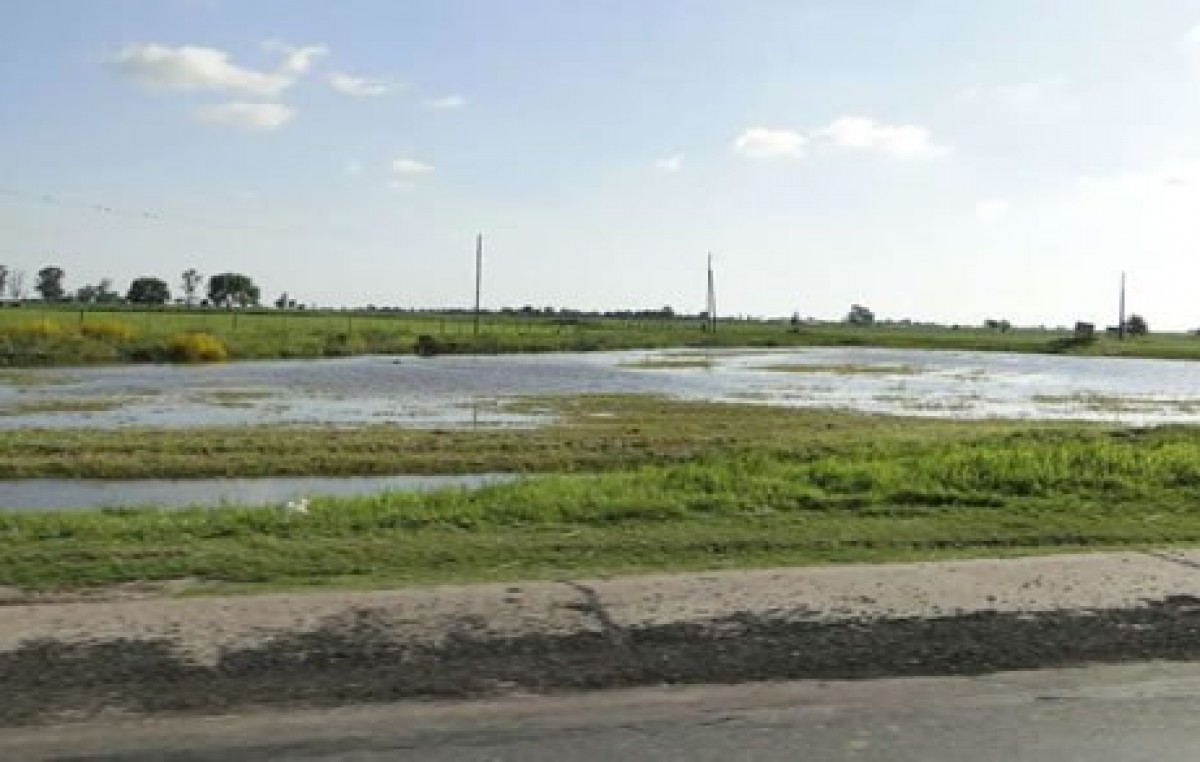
x: 229, y: 289
x: 860, y: 315
x: 50, y: 283
x: 191, y: 282
x: 101, y: 293
x: 16, y: 284
x: 1136, y: 326
x: 3, y: 280
x: 148, y: 290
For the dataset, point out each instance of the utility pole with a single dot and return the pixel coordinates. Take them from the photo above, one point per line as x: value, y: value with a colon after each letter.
x: 712, y: 297
x: 478, y: 277
x: 1121, y: 324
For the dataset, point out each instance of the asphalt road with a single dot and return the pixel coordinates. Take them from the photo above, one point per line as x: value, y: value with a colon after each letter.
x: 1126, y: 713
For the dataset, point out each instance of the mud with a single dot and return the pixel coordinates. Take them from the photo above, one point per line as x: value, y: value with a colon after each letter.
x: 357, y: 658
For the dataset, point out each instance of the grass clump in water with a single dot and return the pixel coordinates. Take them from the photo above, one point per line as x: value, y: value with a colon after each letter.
x: 669, y: 363
x: 847, y: 369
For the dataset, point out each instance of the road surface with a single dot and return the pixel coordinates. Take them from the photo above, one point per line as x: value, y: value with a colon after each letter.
x: 1125, y: 713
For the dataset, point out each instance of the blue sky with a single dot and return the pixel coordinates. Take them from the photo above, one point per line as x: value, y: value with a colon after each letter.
x: 933, y: 159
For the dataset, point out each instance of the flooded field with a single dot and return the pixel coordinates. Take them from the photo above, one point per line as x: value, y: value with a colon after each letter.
x: 462, y: 391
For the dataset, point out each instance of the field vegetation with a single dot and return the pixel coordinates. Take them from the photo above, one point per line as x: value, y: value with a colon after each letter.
x: 66, y: 334
x: 625, y: 484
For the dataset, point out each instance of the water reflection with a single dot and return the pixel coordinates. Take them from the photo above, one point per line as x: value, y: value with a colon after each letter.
x: 68, y: 494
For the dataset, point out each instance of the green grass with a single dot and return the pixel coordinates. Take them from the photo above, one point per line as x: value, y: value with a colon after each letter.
x: 66, y: 335
x: 1030, y: 494
x: 666, y: 486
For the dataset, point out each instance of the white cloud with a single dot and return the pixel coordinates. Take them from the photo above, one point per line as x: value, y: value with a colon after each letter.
x: 860, y: 133
x: 991, y: 209
x: 296, y: 59
x: 404, y: 167
x: 672, y: 163
x: 765, y: 143
x: 193, y: 68
x: 198, y: 68
x: 262, y: 117
x: 360, y: 87
x: 1035, y: 100
x: 446, y: 102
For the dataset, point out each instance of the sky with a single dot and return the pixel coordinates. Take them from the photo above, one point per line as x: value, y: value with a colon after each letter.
x: 930, y: 159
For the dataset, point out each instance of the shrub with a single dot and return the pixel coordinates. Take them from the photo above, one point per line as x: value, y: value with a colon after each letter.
x: 196, y: 347
x: 33, y: 329
x: 109, y: 330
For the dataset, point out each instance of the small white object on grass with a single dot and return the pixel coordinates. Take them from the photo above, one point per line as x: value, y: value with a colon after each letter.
x: 296, y: 506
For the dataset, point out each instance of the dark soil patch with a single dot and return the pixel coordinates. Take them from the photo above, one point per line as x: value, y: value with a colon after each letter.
x: 357, y: 659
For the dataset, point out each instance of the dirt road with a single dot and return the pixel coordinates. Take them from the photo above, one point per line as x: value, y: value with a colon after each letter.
x: 79, y: 660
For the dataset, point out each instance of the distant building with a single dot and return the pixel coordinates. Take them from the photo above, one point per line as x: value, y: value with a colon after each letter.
x: 1085, y: 330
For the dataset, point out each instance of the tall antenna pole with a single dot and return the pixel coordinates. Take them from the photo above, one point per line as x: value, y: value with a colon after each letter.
x: 478, y: 277
x: 712, y: 297
x: 1121, y: 324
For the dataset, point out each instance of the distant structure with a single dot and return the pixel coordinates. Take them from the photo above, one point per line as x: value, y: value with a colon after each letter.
x: 1085, y: 330
x: 478, y: 277
x: 711, y: 307
x: 1121, y: 327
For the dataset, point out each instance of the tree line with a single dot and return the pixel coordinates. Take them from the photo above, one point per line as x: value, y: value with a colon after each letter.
x: 220, y: 290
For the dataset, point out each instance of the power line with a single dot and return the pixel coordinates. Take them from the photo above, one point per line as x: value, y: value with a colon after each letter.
x: 144, y: 215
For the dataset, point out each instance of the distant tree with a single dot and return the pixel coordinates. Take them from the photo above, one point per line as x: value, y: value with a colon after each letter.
x: 3, y: 280
x: 1136, y: 326
x: 228, y: 289
x: 50, y: 283
x: 100, y: 293
x: 105, y: 293
x: 191, y: 283
x: 860, y: 315
x: 16, y: 284
x: 148, y: 290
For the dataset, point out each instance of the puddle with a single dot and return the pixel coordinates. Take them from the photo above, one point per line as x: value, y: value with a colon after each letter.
x: 20, y: 495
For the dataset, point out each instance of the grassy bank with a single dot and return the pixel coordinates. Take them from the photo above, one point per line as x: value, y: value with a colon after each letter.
x: 698, y: 487
x: 1029, y: 496
x: 591, y: 433
x: 62, y: 335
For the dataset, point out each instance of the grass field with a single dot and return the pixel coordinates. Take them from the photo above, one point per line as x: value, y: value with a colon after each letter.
x: 663, y: 486
x: 34, y: 335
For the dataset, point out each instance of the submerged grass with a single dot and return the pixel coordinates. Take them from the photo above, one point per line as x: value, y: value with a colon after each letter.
x: 847, y: 369
x: 669, y: 485
x: 72, y: 405
x: 669, y: 363
x: 590, y: 433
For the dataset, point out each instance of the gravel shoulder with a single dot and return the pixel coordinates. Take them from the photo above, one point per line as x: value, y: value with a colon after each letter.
x: 78, y: 660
